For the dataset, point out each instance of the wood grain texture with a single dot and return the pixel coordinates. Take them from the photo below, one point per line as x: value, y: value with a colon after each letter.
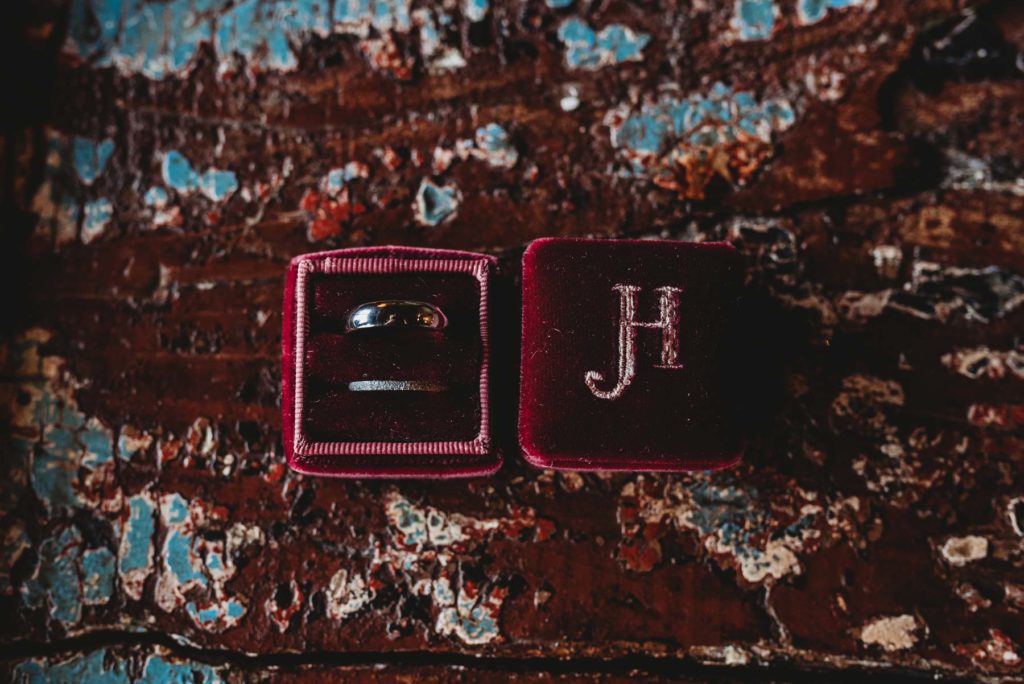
x: 164, y: 160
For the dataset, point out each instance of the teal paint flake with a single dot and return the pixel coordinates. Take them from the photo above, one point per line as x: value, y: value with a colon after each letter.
x: 162, y: 39
x: 558, y: 4
x: 587, y: 49
x: 813, y: 11
x: 159, y: 670
x: 156, y: 197
x: 215, y: 184
x: 662, y: 133
x: 98, y: 575
x: 494, y: 145
x: 434, y: 203
x: 55, y: 469
x: 57, y: 583
x: 96, y: 218
x: 91, y: 668
x: 475, y: 10
x: 137, y: 545
x: 754, y: 19
x: 90, y: 157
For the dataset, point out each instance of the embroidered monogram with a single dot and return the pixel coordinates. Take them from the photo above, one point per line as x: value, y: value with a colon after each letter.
x: 668, y: 323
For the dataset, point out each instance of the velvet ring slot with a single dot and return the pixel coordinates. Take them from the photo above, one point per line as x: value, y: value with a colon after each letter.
x: 405, y: 400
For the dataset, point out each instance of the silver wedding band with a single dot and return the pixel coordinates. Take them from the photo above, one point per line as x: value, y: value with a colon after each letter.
x: 395, y: 386
x: 395, y: 313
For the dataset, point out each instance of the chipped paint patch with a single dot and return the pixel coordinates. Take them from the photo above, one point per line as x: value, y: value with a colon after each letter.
x: 494, y: 146
x: 97, y: 576
x: 284, y: 604
x: 435, y: 203
x: 90, y: 667
x: 347, y: 595
x: 426, y: 553
x: 70, y: 455
x: 587, y: 49
x: 892, y: 634
x: 983, y: 363
x: 158, y: 670
x: 135, y: 555
x: 475, y: 10
x: 194, y: 570
x: 812, y: 11
x: 752, y: 20
x: 56, y: 583
x: 215, y: 184
x: 474, y: 617
x: 160, y: 40
x: 887, y: 260
x: 683, y: 144
x: 95, y: 219
x: 90, y: 157
x: 959, y: 551
x: 437, y: 56
x: 998, y: 650
x: 330, y: 207
x: 735, y: 526
x: 995, y: 415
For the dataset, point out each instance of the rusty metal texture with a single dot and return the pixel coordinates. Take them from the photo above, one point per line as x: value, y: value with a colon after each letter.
x: 164, y: 161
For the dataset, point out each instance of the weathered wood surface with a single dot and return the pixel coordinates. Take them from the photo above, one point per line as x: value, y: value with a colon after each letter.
x: 164, y: 160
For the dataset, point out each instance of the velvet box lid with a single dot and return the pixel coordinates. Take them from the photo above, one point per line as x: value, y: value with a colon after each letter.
x: 328, y: 429
x: 625, y: 354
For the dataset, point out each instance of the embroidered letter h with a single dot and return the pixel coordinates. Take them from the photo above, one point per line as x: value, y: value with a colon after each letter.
x: 668, y: 323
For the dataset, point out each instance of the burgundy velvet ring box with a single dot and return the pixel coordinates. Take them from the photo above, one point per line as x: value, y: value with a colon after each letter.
x: 625, y: 362
x: 331, y: 429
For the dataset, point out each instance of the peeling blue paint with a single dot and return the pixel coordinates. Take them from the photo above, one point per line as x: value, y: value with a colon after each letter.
x: 56, y: 583
x: 69, y: 444
x: 161, y: 671
x: 96, y: 218
x: 475, y: 10
x: 94, y: 668
x: 216, y: 184
x: 435, y: 203
x: 494, y: 145
x: 178, y: 559
x: 674, y: 134
x: 558, y: 4
x: 90, y: 157
x: 614, y: 44
x: 211, y: 615
x: 156, y: 197
x: 337, y: 178
x: 136, y: 551
x: 754, y: 19
x: 813, y: 11
x: 102, y: 667
x: 98, y: 575
x: 162, y: 39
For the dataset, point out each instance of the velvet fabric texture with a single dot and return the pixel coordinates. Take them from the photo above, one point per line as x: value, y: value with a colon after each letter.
x: 332, y: 430
x: 664, y: 418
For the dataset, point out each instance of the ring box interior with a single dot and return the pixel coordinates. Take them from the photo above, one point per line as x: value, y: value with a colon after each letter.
x: 330, y: 429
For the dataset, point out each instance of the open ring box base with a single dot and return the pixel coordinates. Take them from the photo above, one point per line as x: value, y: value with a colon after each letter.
x: 332, y: 431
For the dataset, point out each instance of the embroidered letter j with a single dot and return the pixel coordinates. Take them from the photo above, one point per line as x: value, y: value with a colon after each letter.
x: 668, y: 323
